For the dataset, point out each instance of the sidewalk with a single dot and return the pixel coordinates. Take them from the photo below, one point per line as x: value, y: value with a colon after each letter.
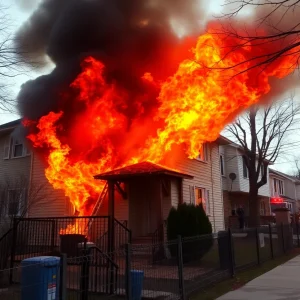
x: 283, y: 282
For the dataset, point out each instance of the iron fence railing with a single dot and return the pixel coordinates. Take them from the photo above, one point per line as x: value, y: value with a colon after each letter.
x: 183, y: 267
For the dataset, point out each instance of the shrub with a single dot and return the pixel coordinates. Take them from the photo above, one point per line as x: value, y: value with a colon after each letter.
x: 193, y: 225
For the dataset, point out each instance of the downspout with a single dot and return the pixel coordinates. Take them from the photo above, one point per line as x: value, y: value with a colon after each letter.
x: 212, y: 188
x: 30, y: 183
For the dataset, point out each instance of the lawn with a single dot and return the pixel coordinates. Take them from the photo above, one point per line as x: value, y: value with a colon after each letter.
x: 242, y: 278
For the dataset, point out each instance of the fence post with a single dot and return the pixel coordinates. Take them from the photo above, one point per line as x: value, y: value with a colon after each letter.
x: 257, y: 245
x: 63, y: 277
x: 13, y: 249
x: 128, y: 270
x: 282, y: 237
x: 84, y: 281
x: 180, y: 268
x: 53, y: 235
x: 271, y: 241
x: 231, y: 253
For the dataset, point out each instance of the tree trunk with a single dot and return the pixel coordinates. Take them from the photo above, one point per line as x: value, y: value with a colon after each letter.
x: 254, y: 207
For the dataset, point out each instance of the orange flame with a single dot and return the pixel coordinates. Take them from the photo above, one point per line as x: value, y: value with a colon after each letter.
x: 193, y: 107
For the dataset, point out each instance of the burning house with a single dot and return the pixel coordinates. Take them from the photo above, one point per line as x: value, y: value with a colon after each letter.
x: 127, y: 89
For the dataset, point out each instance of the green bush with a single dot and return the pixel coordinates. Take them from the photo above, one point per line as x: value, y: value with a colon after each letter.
x: 193, y: 225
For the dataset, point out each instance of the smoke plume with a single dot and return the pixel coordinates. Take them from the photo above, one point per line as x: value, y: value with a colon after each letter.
x: 130, y: 37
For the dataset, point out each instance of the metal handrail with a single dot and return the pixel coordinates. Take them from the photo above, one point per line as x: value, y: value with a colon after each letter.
x: 105, y: 255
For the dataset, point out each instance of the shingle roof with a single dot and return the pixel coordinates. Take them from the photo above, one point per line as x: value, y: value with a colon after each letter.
x: 140, y: 169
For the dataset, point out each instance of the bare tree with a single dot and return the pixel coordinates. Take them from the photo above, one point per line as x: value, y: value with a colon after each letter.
x: 261, y: 133
x: 271, y: 22
x: 12, y: 64
x: 17, y: 197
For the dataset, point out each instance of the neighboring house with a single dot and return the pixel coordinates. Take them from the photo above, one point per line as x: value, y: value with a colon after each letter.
x: 286, y: 188
x: 25, y: 190
x: 235, y: 183
x: 200, y: 183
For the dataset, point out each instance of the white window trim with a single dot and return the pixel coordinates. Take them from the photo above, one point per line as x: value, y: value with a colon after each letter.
x: 278, y: 189
x: 205, y: 152
x: 207, y: 197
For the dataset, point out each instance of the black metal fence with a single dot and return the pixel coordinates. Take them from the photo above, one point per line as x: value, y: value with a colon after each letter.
x: 180, y: 268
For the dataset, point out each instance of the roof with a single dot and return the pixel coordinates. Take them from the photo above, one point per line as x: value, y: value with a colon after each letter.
x: 286, y: 176
x: 140, y: 169
x: 10, y: 125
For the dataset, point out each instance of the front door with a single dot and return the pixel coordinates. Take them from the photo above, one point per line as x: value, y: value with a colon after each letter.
x: 144, y: 206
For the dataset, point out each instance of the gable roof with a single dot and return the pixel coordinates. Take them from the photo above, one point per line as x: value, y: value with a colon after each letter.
x: 286, y: 176
x: 140, y: 169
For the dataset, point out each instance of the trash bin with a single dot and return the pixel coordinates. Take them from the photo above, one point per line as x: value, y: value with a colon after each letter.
x: 137, y: 278
x: 69, y: 244
x: 40, y: 278
x: 224, y: 250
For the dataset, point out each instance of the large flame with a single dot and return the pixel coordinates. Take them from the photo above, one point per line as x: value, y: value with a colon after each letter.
x: 192, y: 107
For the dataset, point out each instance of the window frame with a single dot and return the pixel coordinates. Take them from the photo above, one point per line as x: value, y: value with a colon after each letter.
x: 245, y: 169
x: 9, y: 148
x: 205, y: 153
x: 206, y: 198
x: 278, y: 186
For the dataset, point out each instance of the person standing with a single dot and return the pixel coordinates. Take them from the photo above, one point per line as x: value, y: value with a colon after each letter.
x: 241, y: 216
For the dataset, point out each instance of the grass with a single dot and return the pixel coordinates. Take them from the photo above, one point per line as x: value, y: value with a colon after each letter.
x: 242, y: 278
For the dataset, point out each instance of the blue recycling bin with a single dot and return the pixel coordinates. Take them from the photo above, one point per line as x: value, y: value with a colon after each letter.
x: 40, y: 278
x: 137, y: 278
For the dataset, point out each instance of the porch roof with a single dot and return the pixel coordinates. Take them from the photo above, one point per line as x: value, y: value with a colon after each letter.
x: 141, y: 169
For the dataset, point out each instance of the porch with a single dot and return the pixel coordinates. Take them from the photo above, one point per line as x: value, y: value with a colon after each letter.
x: 142, y: 194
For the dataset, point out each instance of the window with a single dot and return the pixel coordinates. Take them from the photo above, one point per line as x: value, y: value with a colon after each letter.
x: 203, y: 153
x: 245, y: 169
x: 278, y: 186
x: 14, y: 148
x: 222, y: 165
x: 14, y: 202
x: 17, y: 148
x: 201, y: 195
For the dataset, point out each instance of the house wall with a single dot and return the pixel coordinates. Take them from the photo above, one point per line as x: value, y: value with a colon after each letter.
x: 244, y: 182
x: 233, y: 163
x: 231, y: 166
x: 206, y: 175
x: 53, y: 203
x: 12, y: 171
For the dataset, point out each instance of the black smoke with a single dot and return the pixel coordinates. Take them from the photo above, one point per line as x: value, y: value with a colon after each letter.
x: 130, y: 37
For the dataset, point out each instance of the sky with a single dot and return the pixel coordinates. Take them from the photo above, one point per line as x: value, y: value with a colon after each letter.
x: 18, y: 15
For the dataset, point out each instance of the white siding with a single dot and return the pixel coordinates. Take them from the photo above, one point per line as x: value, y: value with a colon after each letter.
x: 234, y: 164
x: 231, y: 166
x: 54, y: 203
x: 206, y: 175
x: 244, y: 182
x: 174, y: 193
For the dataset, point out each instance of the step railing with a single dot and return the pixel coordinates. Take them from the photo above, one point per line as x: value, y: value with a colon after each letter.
x: 121, y: 238
x: 158, y: 237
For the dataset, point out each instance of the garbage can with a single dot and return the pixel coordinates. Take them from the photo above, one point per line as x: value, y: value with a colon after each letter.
x: 40, y: 278
x: 69, y: 244
x: 137, y: 278
x: 224, y: 250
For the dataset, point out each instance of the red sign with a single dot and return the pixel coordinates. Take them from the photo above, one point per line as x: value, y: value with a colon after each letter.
x: 276, y: 200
